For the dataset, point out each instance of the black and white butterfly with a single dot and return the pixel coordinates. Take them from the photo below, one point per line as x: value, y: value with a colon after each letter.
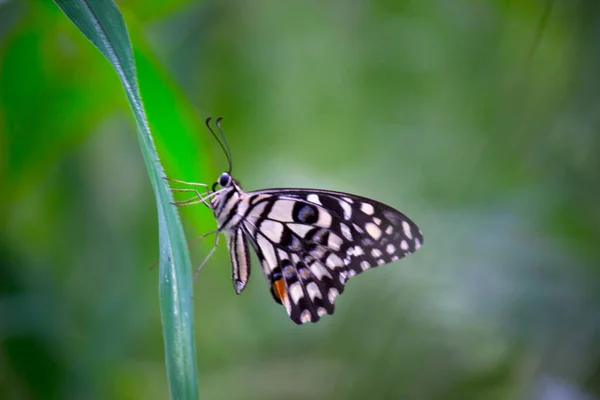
x: 309, y: 241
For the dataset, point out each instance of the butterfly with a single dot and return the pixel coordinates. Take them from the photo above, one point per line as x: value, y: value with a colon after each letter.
x: 309, y: 241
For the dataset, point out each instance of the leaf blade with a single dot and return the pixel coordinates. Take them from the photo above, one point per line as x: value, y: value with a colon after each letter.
x: 102, y: 23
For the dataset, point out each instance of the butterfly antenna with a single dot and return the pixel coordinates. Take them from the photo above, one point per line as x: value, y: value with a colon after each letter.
x: 228, y: 152
x: 225, y: 147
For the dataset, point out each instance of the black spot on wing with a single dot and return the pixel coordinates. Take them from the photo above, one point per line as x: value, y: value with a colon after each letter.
x: 305, y: 213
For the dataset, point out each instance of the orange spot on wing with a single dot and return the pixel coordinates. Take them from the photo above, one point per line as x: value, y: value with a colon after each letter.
x: 279, y: 289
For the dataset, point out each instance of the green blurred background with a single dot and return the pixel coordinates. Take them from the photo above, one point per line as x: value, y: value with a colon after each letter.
x: 477, y: 119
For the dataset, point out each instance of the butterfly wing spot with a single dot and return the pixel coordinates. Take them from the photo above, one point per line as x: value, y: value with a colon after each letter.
x: 346, y: 232
x: 318, y: 252
x: 343, y: 277
x: 404, y: 244
x: 317, y: 235
x: 333, y: 261
x: 295, y: 291
x: 358, y: 228
x: 279, y: 289
x: 377, y: 221
x: 407, y: 230
x: 376, y: 253
x: 304, y: 273
x: 367, y: 208
x: 373, y: 230
x: 305, y: 213
x: 364, y: 264
x: 389, y: 230
x: 347, y: 209
x: 319, y: 271
x: 305, y: 317
x: 334, y: 242
x: 313, y: 291
x: 367, y: 242
x: 288, y: 271
x: 313, y: 198
x: 333, y: 293
x: 417, y: 244
x: 390, y: 248
x: 321, y: 311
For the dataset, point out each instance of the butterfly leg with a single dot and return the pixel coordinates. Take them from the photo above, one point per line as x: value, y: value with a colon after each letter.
x: 194, y: 200
x: 185, y: 183
x: 210, y: 253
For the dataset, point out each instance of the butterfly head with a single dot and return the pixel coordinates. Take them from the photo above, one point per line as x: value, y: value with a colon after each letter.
x: 224, y: 181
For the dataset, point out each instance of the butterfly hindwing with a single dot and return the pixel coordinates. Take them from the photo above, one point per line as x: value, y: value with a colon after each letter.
x: 310, y: 242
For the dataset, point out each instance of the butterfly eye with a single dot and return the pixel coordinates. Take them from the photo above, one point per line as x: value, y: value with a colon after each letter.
x: 224, y: 179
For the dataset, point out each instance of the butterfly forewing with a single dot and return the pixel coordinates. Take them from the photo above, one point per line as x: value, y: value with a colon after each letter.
x: 309, y: 242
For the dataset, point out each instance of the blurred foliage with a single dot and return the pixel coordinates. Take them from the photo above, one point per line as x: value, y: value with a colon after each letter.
x: 477, y: 119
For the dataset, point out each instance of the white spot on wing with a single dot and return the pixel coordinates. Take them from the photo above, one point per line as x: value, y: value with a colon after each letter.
x: 404, y: 245
x: 334, y: 261
x: 346, y: 231
x: 305, y: 316
x: 313, y: 290
x: 296, y: 292
x: 321, y: 311
x: 389, y: 230
x: 367, y: 208
x: 333, y: 293
x: 417, y: 244
x: 373, y: 230
x: 377, y: 220
x: 376, y: 253
x: 390, y: 248
x: 365, y: 265
x: 313, y: 198
x: 319, y: 270
x: 406, y: 229
x: 334, y: 242
x: 347, y: 210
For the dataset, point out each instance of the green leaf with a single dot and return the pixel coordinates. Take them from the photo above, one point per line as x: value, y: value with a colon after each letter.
x: 101, y: 22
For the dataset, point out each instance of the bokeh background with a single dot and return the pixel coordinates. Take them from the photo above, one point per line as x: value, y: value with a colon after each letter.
x: 477, y: 119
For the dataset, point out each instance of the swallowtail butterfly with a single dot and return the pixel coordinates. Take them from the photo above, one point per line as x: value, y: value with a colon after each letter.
x: 309, y: 241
